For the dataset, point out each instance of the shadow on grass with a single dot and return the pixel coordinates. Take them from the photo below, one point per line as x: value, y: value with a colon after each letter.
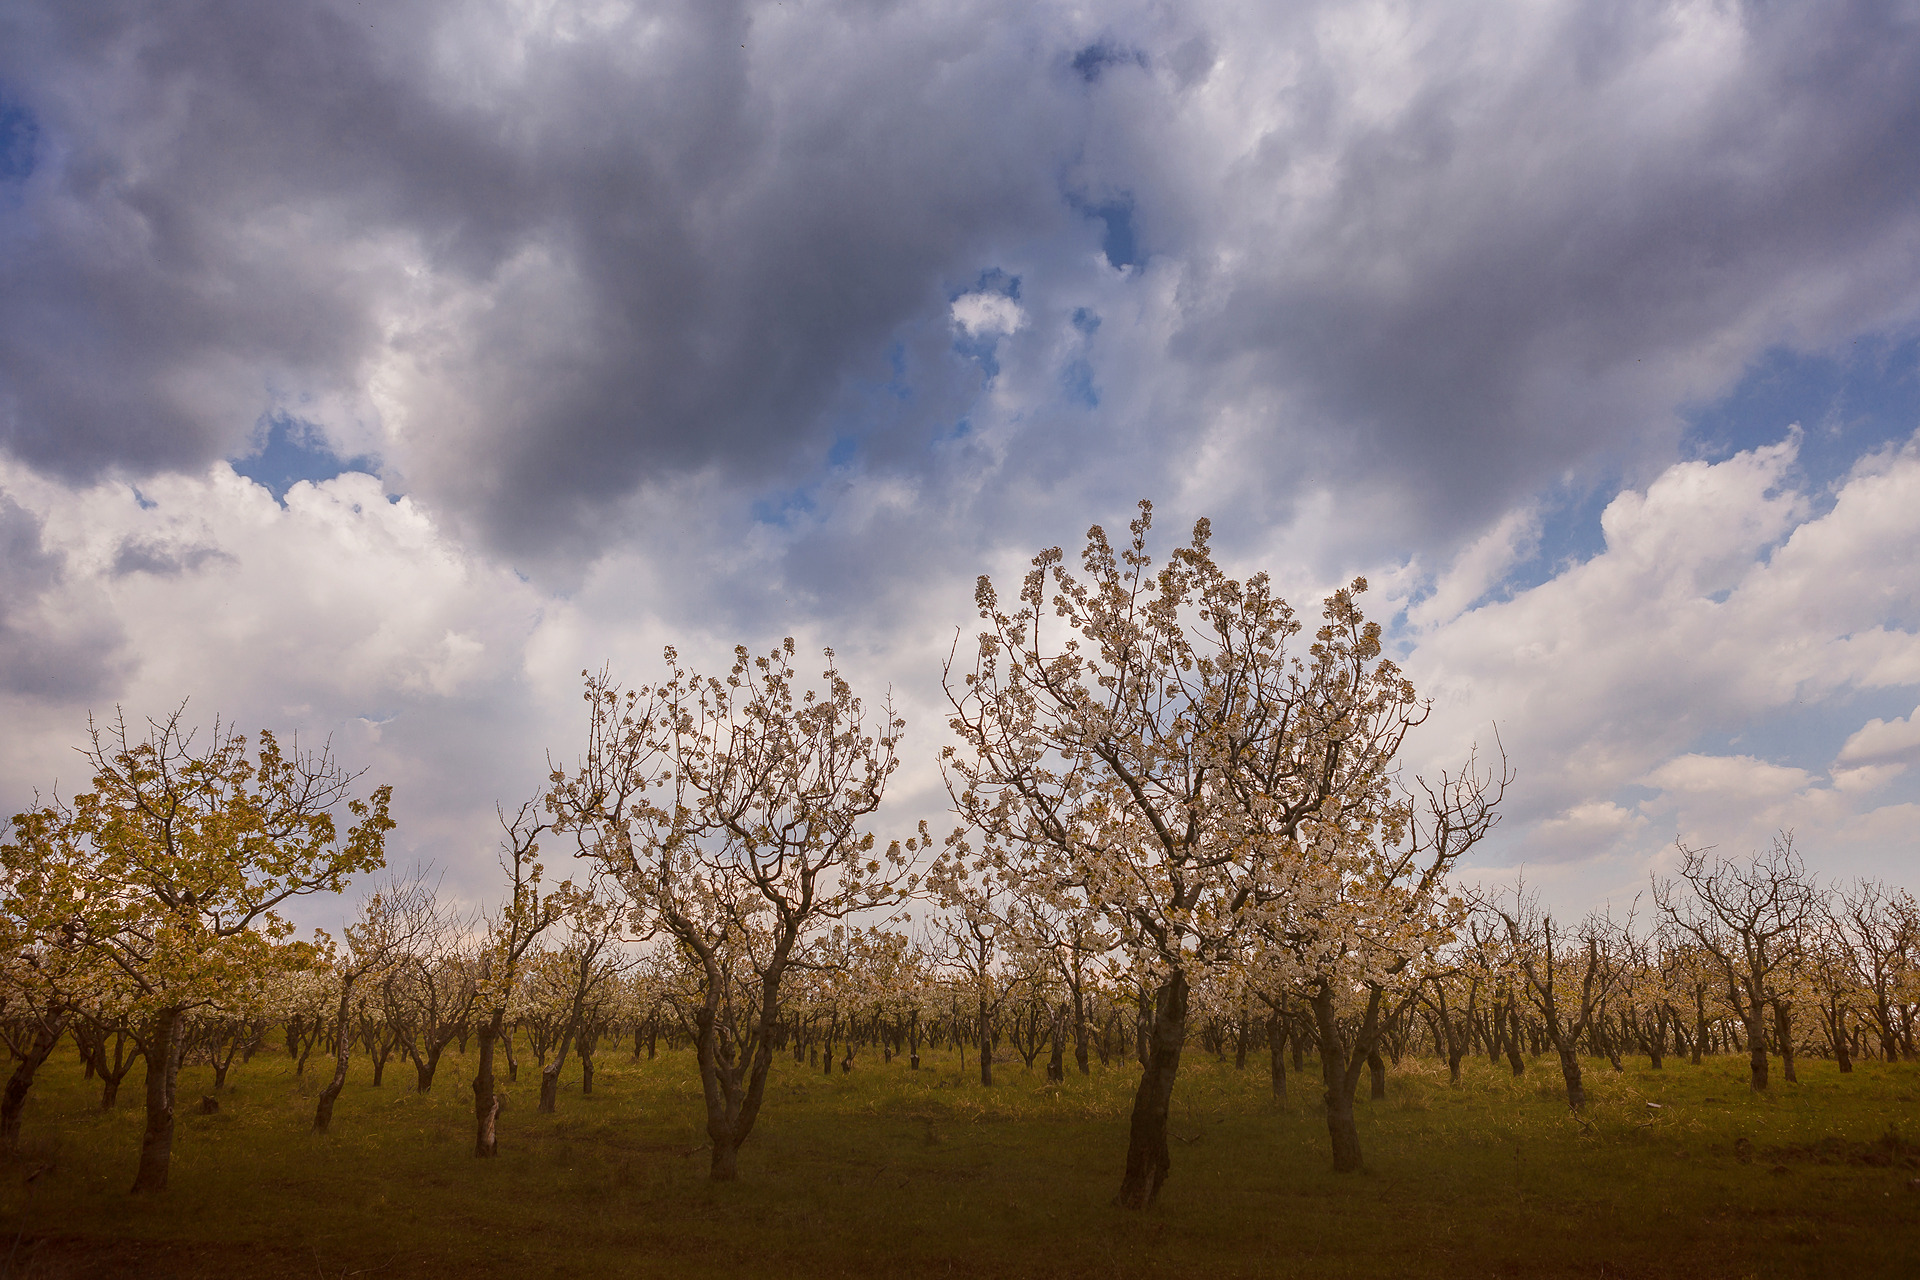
x: 891, y: 1172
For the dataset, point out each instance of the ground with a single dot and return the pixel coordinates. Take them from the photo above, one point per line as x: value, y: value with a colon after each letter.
x: 887, y: 1171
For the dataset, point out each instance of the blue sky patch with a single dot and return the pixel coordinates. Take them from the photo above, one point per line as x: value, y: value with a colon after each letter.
x: 1808, y: 735
x: 292, y: 451
x: 1115, y: 216
x: 19, y: 139
x: 1848, y: 404
x: 1092, y: 62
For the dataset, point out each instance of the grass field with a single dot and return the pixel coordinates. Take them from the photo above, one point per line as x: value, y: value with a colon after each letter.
x: 895, y: 1173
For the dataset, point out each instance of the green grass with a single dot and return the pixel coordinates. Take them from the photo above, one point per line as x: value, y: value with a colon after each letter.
x: 891, y: 1172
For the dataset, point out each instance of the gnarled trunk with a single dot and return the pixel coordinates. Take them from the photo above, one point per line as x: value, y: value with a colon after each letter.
x: 550, y: 1073
x: 1148, y: 1162
x: 1570, y: 1069
x: 486, y: 1102
x: 342, y: 1054
x: 1341, y: 1062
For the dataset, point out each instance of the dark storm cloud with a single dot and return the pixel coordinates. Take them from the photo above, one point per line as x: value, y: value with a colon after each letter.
x: 555, y: 261
x: 670, y: 261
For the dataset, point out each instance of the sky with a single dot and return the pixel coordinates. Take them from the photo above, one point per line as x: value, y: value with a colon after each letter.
x: 370, y: 370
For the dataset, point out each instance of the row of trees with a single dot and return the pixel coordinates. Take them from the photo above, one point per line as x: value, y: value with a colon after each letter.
x: 1172, y: 813
x: 1844, y: 984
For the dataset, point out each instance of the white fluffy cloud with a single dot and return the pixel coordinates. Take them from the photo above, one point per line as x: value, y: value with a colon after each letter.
x: 1725, y: 600
x: 341, y: 615
x: 1883, y: 742
x: 987, y: 314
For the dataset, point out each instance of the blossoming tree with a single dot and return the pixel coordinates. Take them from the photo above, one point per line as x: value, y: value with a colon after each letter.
x: 732, y: 813
x: 1158, y: 744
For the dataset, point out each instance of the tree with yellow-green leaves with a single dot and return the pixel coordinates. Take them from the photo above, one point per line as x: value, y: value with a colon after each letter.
x: 168, y: 875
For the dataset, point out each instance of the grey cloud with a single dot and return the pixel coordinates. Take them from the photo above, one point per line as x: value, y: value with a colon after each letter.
x: 1528, y: 268
x: 718, y: 249
x: 594, y: 262
x: 37, y: 660
x: 145, y: 556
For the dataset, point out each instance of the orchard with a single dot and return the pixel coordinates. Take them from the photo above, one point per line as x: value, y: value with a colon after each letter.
x: 1116, y: 1020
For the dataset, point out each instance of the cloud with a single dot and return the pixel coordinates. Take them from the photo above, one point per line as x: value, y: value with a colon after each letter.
x: 544, y: 261
x: 1883, y: 742
x: 48, y: 653
x: 699, y: 321
x: 339, y: 614
x: 988, y: 314
x: 1724, y: 601
x: 1479, y: 568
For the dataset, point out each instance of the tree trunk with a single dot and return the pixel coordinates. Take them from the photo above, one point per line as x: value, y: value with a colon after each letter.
x: 342, y: 1052
x: 1341, y: 1129
x: 1148, y: 1162
x: 1377, y: 1070
x: 1570, y: 1069
x: 1080, y: 1031
x: 486, y: 1102
x: 1757, y: 1052
x: 1783, y: 1031
x: 1514, y: 1058
x: 1143, y: 1026
x: 424, y: 1068
x: 14, y: 1102
x: 1341, y: 1062
x: 1277, y: 1051
x: 550, y: 1074
x: 163, y: 1074
x: 986, y: 1046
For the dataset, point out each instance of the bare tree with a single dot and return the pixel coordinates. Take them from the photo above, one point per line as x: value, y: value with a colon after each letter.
x: 588, y: 964
x: 392, y: 920
x: 1748, y: 916
x: 1568, y: 977
x: 1882, y: 927
x: 524, y: 914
